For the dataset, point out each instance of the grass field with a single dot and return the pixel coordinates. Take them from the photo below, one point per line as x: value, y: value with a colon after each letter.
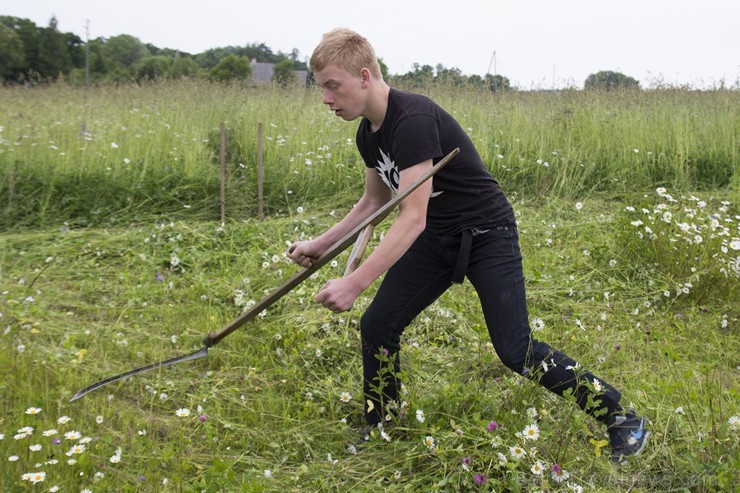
x: 112, y: 256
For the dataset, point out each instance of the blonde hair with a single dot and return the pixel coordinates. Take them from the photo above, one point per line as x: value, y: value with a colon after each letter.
x: 347, y: 50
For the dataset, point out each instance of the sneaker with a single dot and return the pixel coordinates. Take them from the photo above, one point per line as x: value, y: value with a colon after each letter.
x: 628, y: 436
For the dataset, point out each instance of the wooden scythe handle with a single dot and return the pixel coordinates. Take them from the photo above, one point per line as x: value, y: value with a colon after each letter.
x: 338, y: 247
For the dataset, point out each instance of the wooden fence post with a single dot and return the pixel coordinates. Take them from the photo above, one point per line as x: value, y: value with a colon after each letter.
x: 222, y: 160
x: 260, y: 174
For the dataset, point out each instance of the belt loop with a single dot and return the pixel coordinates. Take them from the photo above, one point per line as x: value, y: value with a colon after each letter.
x: 463, y: 255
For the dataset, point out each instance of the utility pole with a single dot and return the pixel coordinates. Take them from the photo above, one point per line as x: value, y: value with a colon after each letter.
x: 494, y: 84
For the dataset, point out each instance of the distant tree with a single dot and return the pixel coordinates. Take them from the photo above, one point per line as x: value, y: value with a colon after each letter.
x: 28, y: 32
x: 12, y: 57
x: 608, y: 80
x: 383, y: 68
x: 76, y: 49
x: 283, y: 73
x: 450, y: 76
x: 152, y: 68
x: 420, y: 76
x: 54, y: 59
x: 498, y: 82
x: 124, y: 50
x: 184, y: 66
x: 98, y: 63
x: 232, y: 67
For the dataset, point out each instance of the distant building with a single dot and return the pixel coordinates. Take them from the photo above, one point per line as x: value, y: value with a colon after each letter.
x: 262, y: 73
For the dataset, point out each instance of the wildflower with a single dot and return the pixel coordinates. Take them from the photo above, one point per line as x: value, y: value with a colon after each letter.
x: 429, y: 442
x: 597, y: 385
x: 532, y: 412
x: 114, y: 145
x: 182, y: 413
x: 27, y: 430
x: 558, y: 474
x: 492, y: 426
x: 420, y: 416
x: 76, y: 449
x: 99, y: 420
x: 385, y: 436
x: 480, y: 479
x: 115, y: 459
x: 598, y: 445
x: 345, y: 396
x: 20, y: 436
x: 537, y: 468
x: 86, y: 491
x: 531, y: 432
x: 579, y: 206
x: 268, y: 473
x: 538, y: 324
x: 517, y: 452
x: 299, y: 210
x: 13, y: 458
x: 35, y: 448
x: 174, y: 261
x: 734, y: 422
x: 73, y: 435
x: 466, y: 463
x: 48, y: 433
x: 63, y: 420
x: 33, y: 410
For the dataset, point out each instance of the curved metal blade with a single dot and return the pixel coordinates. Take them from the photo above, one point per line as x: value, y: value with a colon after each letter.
x: 197, y: 354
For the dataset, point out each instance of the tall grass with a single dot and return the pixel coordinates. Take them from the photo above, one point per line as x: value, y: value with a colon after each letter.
x: 112, y: 153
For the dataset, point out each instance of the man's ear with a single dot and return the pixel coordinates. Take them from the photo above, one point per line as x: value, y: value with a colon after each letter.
x: 365, y: 76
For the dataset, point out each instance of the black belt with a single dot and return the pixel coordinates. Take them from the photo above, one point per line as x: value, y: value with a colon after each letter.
x: 466, y: 243
x: 463, y: 255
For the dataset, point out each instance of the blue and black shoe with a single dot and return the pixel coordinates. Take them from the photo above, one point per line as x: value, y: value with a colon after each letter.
x: 628, y: 435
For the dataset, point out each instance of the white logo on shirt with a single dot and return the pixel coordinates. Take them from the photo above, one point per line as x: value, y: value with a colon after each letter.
x: 388, y: 172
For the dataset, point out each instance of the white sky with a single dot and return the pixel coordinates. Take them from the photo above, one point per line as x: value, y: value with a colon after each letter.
x: 538, y: 43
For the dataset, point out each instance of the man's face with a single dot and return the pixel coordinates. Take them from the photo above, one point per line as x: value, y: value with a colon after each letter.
x: 343, y: 92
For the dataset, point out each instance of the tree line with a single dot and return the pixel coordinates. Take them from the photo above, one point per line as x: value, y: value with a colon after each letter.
x: 33, y: 54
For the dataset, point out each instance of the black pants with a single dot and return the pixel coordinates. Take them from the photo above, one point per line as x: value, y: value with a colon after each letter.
x: 494, y: 267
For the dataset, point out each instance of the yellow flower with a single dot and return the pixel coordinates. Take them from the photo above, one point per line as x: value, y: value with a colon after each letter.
x: 598, y: 445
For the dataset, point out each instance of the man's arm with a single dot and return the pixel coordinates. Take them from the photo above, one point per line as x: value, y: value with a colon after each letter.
x: 339, y: 295
x: 376, y: 195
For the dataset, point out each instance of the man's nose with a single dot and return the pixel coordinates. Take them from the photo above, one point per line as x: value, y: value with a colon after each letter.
x: 327, y: 98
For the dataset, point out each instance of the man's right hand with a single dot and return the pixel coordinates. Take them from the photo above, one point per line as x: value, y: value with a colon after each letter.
x: 304, y: 253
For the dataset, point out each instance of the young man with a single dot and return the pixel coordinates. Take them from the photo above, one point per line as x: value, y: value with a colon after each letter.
x: 459, y: 224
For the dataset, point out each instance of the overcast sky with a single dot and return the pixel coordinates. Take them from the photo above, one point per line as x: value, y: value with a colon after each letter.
x: 537, y: 43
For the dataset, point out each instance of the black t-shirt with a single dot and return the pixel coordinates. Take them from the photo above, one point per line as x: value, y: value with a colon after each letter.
x: 415, y: 129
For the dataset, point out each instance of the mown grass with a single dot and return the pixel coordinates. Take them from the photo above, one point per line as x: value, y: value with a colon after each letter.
x: 80, y: 305
x: 107, y: 265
